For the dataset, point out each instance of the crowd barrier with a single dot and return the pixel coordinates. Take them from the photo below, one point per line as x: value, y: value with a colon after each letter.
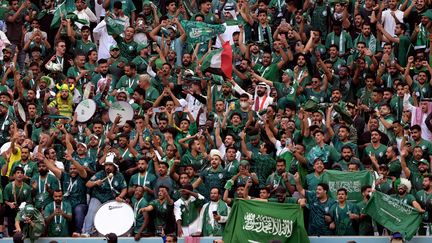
x: 324, y: 239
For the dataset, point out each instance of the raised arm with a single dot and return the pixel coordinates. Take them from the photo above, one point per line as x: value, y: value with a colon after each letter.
x: 247, y: 153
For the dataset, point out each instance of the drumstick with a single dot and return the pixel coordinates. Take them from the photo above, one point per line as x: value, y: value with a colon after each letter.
x: 110, y: 175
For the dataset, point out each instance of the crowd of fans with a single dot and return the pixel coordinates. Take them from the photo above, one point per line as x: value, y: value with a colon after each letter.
x: 316, y: 86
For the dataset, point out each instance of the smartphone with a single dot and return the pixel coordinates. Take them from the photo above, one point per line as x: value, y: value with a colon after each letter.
x: 156, y: 109
x: 179, y: 109
x: 215, y: 213
x: 154, y: 46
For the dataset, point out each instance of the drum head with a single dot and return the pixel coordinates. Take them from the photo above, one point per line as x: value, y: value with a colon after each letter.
x: 114, y: 217
x: 85, y: 110
x: 19, y: 112
x: 123, y: 109
x: 5, y: 147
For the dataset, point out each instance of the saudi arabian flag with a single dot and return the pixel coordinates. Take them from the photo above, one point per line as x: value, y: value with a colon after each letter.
x: 351, y: 181
x: 393, y: 214
x: 65, y: 7
x: 56, y: 21
x: 199, y: 32
x: 259, y: 222
x: 219, y: 61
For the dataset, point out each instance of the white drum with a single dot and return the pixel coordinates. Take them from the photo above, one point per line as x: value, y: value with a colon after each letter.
x: 122, y: 108
x: 85, y: 110
x: 19, y: 112
x: 114, y: 217
x: 5, y: 147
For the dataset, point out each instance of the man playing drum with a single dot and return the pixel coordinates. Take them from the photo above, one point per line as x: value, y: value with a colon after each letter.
x: 106, y: 185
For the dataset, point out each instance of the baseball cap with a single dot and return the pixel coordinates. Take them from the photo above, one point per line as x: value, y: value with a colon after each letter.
x: 114, y: 47
x: 83, y: 144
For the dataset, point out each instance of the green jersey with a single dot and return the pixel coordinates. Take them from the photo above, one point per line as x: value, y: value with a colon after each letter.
x: 42, y: 197
x: 139, y: 217
x: 365, y: 224
x: 162, y: 211
x: 147, y: 179
x: 213, y: 178
x: 312, y: 181
x: 58, y: 227
x: 318, y: 209
x: 127, y: 49
x: 128, y: 83
x: 262, y: 165
x: 198, y: 162
x: 395, y: 168
x: 379, y: 152
x: 407, y: 199
x: 110, y: 188
x: 30, y: 168
x: 84, y: 47
x: 340, y: 216
x: 74, y: 189
x: 17, y: 194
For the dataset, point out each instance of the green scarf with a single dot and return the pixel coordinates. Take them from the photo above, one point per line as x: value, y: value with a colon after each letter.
x: 216, y: 229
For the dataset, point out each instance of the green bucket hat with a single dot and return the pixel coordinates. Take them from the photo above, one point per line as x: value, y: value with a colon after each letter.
x: 142, y: 46
x: 290, y: 73
x: 428, y: 14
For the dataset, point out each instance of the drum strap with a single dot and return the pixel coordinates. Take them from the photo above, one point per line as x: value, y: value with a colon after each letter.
x: 110, y: 184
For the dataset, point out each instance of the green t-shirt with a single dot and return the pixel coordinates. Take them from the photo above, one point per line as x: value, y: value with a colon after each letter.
x: 59, y: 225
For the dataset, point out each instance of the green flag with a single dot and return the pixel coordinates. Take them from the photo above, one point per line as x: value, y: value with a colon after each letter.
x: 113, y: 28
x: 198, y: 32
x: 351, y: 181
x: 259, y: 222
x: 393, y: 214
x: 61, y: 9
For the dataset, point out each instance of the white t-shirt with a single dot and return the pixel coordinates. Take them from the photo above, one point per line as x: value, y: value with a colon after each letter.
x: 389, y: 23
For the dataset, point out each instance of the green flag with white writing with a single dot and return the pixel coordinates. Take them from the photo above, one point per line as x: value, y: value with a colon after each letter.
x: 259, y: 222
x: 198, y: 32
x: 351, y: 181
x: 393, y: 214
